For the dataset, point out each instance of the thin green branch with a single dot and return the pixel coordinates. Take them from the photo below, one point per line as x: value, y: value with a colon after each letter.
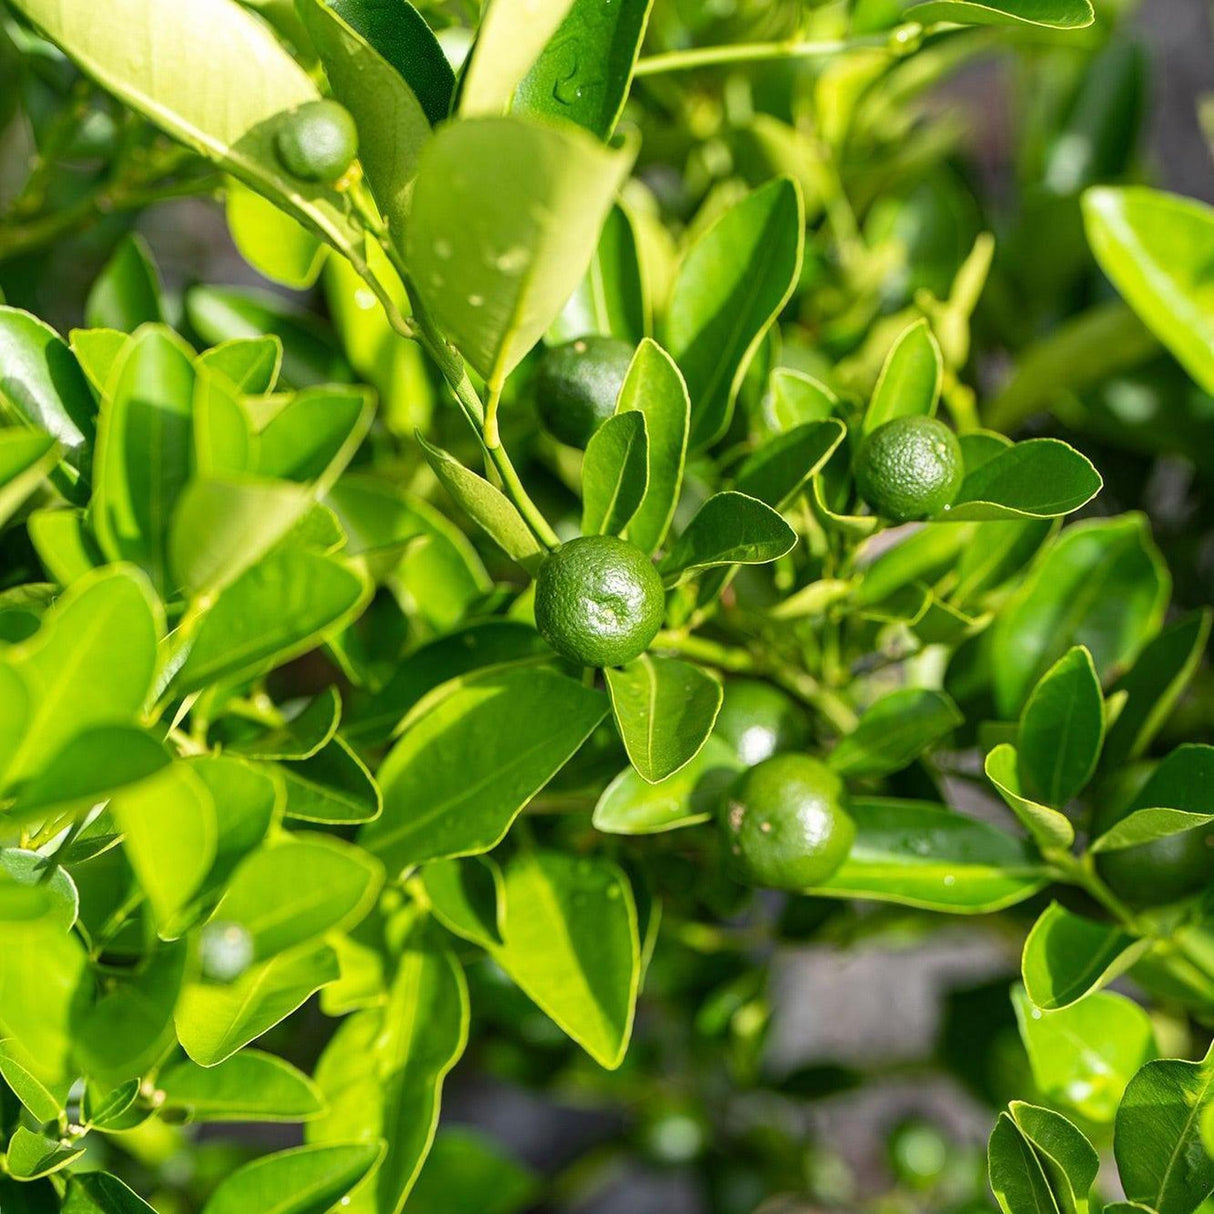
x: 753, y: 52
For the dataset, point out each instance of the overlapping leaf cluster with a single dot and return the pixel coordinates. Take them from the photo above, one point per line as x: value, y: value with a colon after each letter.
x: 272, y: 705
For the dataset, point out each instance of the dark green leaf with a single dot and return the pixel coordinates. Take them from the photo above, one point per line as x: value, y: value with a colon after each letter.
x: 1067, y: 957
x: 910, y: 379
x: 924, y: 855
x: 1016, y: 1175
x: 1157, y: 1139
x: 101, y: 1193
x: 1038, y: 478
x: 127, y: 292
x: 467, y: 897
x: 462, y: 771
x: 730, y: 287
x: 584, y: 72
x: 665, y: 710
x: 778, y: 471
x: 571, y: 943
x: 615, y: 474
x: 1062, y: 730
x: 729, y: 529
x: 895, y: 731
x: 303, y: 1180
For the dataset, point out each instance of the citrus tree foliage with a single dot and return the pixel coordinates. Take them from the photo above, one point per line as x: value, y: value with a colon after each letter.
x: 276, y: 721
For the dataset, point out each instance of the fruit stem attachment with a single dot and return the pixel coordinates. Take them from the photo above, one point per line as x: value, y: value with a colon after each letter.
x: 421, y: 327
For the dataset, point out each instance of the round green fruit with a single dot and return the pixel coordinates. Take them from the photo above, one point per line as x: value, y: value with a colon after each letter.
x: 318, y: 142
x: 759, y: 721
x: 577, y: 386
x: 909, y: 468
x: 787, y: 823
x: 599, y: 601
x: 1161, y: 872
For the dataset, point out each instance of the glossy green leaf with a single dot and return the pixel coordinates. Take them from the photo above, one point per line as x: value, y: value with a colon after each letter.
x: 729, y: 529
x: 779, y: 469
x: 275, y: 245
x: 45, y: 984
x: 1157, y: 1139
x: 331, y: 786
x: 144, y: 444
x: 1067, y: 957
x: 583, y: 73
x: 630, y: 805
x: 126, y: 294
x: 293, y: 892
x: 392, y: 123
x: 571, y: 944
x: 42, y: 384
x: 370, y: 719
x: 615, y: 473
x: 1155, y: 247
x: 314, y: 435
x: 251, y: 365
x: 16, y: 1070
x: 26, y: 456
x: 539, y: 195
x: 1055, y: 14
x: 1069, y: 1160
x: 214, y: 1021
x: 461, y: 772
x: 303, y: 732
x: 511, y: 37
x: 924, y: 855
x: 1101, y: 585
x: 1153, y: 685
x: 1048, y: 827
x: 895, y: 731
x: 130, y: 1027
x: 224, y: 526
x: 101, y: 1193
x: 665, y: 710
x: 64, y: 543
x: 31, y: 1155
x: 170, y: 863
x: 731, y: 285
x: 29, y: 868
x: 1146, y: 825
x: 274, y: 611
x: 1038, y: 478
x: 1062, y: 730
x: 249, y: 1086
x: 795, y: 399
x: 910, y: 380
x: 486, y: 505
x: 654, y: 386
x: 467, y: 898
x: 612, y: 299
x: 1084, y: 1055
x: 90, y: 663
x: 302, y: 1180
x: 382, y: 1073
x: 1017, y: 1178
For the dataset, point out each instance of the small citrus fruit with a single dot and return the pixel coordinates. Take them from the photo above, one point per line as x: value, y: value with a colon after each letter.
x: 318, y: 142
x: 599, y: 601
x: 759, y: 721
x: 1162, y: 871
x: 909, y: 468
x: 787, y: 823
x: 577, y: 385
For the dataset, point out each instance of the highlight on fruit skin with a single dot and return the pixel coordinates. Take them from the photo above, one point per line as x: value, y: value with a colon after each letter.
x: 910, y: 468
x: 599, y: 601
x: 787, y: 824
x: 317, y: 142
